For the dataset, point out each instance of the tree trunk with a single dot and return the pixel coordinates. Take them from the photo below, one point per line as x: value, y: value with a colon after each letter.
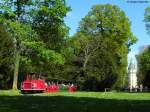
x: 86, y: 61
x: 16, y: 70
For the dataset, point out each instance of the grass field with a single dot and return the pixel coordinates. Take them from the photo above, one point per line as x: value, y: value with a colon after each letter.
x: 13, y: 101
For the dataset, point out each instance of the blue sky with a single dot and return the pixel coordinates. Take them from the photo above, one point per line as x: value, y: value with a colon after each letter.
x: 134, y: 11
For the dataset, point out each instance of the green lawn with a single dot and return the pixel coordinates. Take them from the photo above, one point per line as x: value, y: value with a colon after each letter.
x: 74, y: 102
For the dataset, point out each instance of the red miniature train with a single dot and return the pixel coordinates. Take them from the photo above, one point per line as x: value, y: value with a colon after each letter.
x: 31, y: 84
x: 34, y: 84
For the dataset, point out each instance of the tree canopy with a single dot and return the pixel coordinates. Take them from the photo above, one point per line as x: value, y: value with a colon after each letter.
x: 144, y: 67
x: 24, y: 25
x: 103, y: 41
x: 144, y: 57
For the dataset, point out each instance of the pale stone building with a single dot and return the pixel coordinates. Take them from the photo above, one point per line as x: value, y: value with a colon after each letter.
x: 132, y: 77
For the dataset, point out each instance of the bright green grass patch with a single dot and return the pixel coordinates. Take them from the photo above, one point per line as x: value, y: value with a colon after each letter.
x: 107, y: 95
x: 13, y: 101
x: 9, y: 93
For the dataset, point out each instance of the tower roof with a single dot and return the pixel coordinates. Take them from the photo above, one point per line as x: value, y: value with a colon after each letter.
x: 132, y: 64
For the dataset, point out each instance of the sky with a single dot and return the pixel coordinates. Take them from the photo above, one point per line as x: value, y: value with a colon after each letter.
x: 134, y: 11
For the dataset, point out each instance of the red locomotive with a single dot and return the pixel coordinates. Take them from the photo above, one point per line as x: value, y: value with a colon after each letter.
x: 32, y: 84
x: 35, y: 84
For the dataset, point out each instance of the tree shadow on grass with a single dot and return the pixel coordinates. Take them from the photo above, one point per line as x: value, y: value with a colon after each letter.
x: 70, y: 104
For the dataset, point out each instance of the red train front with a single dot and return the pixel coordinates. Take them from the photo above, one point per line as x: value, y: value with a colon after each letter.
x: 32, y: 83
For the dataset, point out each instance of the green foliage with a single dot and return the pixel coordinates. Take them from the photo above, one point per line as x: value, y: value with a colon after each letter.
x: 43, y: 52
x: 144, y: 67
x: 38, y: 33
x: 147, y: 19
x: 48, y: 21
x: 102, y: 43
x: 6, y: 57
x: 144, y: 57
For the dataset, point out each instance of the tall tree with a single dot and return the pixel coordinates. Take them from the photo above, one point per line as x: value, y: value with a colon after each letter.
x: 144, y: 57
x: 6, y: 57
x: 144, y: 67
x: 17, y: 16
x: 107, y: 36
x: 19, y: 33
x: 48, y: 21
x: 13, y: 11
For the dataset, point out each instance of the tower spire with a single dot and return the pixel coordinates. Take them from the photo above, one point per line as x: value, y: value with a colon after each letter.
x: 132, y: 70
